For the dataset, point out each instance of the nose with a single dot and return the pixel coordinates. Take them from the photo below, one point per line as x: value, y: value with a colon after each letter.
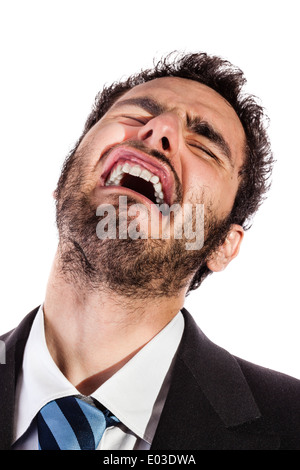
x: 161, y: 133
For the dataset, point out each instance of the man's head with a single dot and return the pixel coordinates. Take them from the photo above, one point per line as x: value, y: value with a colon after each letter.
x: 188, y: 122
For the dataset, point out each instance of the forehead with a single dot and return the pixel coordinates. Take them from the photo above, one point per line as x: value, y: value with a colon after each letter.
x: 188, y: 96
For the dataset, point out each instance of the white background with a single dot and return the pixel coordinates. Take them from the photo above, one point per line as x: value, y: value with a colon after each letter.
x: 55, y: 57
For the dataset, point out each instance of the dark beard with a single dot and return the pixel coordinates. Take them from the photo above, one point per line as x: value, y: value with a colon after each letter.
x: 135, y: 269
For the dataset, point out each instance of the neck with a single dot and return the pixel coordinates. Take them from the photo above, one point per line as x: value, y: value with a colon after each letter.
x: 91, y: 335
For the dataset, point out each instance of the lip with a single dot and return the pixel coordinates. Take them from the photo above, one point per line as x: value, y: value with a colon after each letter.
x: 124, y: 153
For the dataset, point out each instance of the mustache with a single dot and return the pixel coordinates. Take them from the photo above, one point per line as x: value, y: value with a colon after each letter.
x: 139, y: 145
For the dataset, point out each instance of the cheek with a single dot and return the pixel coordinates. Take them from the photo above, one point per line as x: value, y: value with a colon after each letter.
x: 198, y: 176
x: 104, y: 135
x: 203, y: 183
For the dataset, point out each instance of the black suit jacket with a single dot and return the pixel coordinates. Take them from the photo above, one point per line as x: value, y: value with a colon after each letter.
x: 216, y: 401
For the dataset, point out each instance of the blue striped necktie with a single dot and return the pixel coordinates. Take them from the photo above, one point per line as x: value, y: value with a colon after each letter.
x: 70, y: 423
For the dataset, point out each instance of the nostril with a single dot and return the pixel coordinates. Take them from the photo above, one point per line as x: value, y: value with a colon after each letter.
x: 165, y: 143
x: 149, y: 134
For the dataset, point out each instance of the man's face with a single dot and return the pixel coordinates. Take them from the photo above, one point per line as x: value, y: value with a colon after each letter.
x: 193, y: 126
x: 183, y: 136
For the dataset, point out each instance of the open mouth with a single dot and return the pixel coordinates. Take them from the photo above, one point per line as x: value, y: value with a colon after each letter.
x: 133, y: 176
x: 136, y: 171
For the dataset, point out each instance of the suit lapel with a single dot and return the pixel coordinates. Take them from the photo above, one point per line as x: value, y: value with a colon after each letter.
x: 15, y: 342
x: 209, y: 405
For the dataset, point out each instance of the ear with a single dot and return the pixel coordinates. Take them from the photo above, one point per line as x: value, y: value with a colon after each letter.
x: 228, y: 251
x: 54, y: 194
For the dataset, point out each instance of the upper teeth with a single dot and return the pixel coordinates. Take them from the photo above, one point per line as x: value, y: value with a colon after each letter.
x: 136, y: 170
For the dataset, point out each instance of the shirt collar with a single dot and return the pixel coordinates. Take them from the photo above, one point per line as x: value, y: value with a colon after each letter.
x: 135, y: 394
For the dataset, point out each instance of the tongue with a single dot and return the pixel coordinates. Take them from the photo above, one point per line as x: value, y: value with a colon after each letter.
x: 139, y: 185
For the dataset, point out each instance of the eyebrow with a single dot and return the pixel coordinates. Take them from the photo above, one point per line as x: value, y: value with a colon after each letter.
x: 194, y: 124
x: 203, y: 128
x: 148, y: 104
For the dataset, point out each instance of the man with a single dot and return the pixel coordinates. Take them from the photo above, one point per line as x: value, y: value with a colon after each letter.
x: 112, y: 334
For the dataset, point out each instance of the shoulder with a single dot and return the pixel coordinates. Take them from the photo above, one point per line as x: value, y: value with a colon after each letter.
x: 278, y: 398
x: 248, y: 397
x: 262, y: 379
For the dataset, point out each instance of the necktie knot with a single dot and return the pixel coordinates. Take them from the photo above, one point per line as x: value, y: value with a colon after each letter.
x: 71, y: 423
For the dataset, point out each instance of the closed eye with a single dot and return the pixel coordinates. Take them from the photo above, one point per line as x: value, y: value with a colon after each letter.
x: 206, y: 151
x: 134, y: 121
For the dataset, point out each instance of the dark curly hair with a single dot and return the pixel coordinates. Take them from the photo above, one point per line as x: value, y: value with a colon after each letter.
x: 228, y: 80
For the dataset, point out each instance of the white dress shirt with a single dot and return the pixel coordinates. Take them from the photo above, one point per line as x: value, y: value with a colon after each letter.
x: 135, y: 394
